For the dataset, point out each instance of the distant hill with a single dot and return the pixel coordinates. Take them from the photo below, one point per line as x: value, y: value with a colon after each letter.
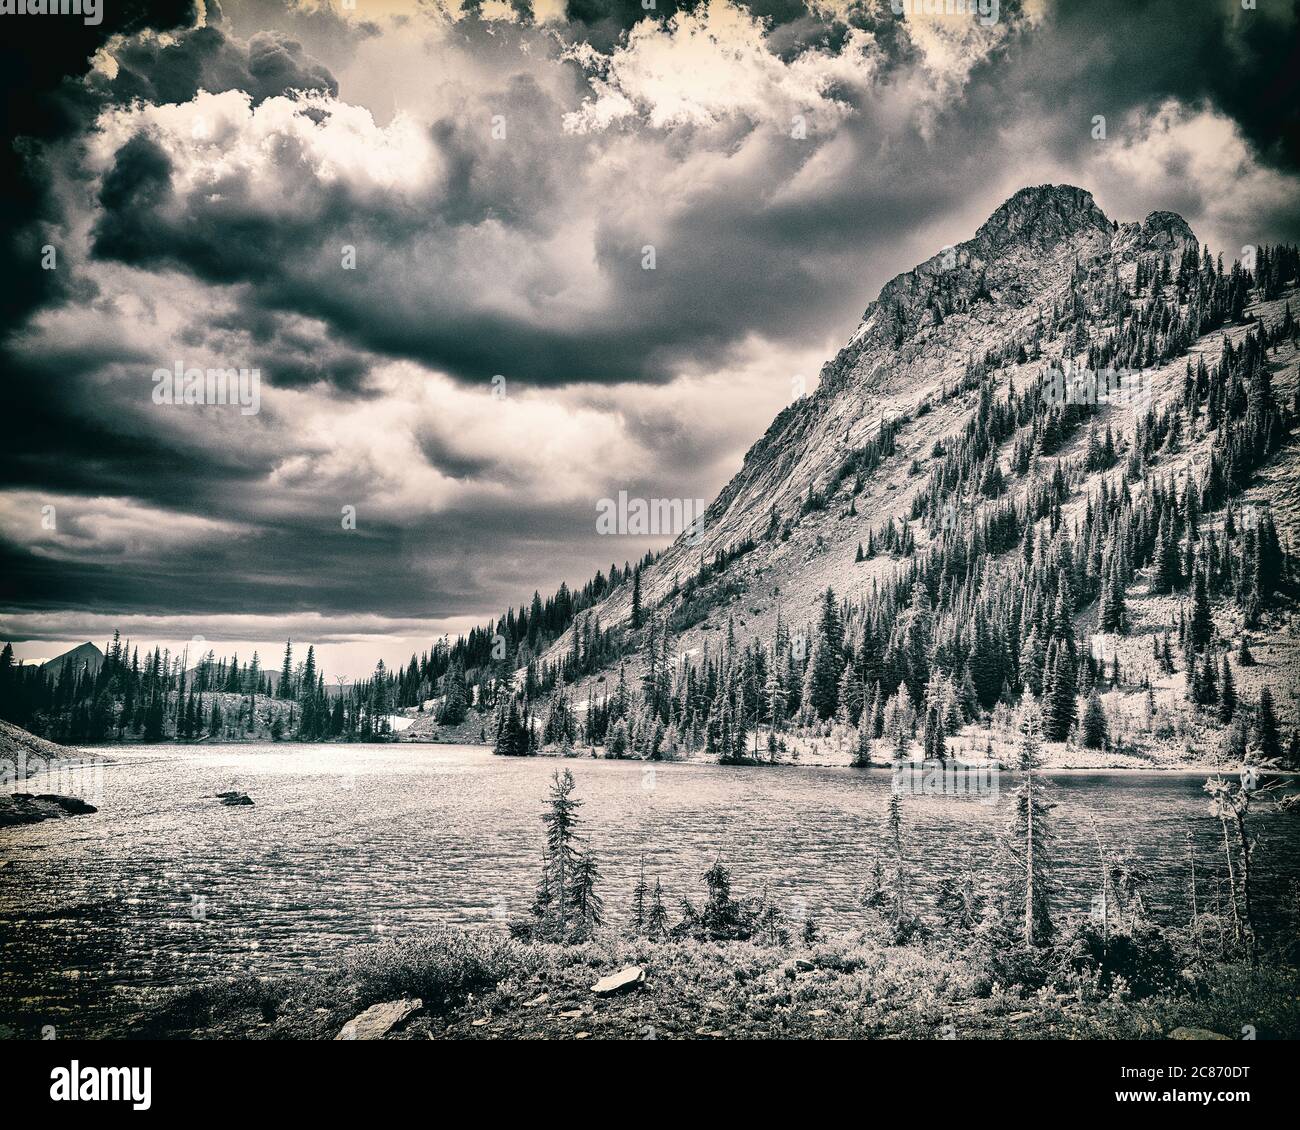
x: 85, y: 653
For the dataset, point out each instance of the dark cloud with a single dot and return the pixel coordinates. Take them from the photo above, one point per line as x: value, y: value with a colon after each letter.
x: 1122, y: 53
x: 206, y: 58
x: 39, y: 68
x: 767, y: 239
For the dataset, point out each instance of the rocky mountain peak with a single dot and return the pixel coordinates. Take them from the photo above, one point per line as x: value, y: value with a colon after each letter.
x: 990, y: 296
x: 1021, y: 255
x: 86, y: 653
x: 1166, y: 230
x: 1160, y: 234
x: 1042, y: 215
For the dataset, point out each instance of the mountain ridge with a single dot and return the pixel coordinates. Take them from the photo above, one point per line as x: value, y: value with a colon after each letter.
x: 1003, y: 297
x: 902, y: 332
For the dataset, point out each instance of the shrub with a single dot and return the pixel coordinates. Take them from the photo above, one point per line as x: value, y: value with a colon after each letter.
x: 440, y: 968
x: 726, y: 919
x: 1139, y: 959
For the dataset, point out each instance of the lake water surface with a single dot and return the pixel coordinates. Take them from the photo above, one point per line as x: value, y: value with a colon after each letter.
x: 348, y: 843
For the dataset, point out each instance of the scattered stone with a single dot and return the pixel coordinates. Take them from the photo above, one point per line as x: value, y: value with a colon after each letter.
x: 379, y: 1019
x: 479, y: 1022
x: 572, y: 1014
x: 1195, y: 1034
x: 803, y: 965
x: 819, y: 1012
x: 582, y: 1035
x: 624, y: 979
x: 709, y: 1032
x: 542, y: 999
x: 231, y: 799
x: 28, y: 808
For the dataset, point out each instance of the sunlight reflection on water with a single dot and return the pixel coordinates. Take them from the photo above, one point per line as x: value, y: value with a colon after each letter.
x: 165, y: 886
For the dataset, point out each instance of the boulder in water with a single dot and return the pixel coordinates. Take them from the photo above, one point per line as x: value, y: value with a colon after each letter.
x: 28, y: 808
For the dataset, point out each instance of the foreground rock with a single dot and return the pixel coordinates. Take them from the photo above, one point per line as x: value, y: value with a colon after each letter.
x: 619, y: 982
x: 28, y: 808
x: 234, y: 799
x: 379, y: 1019
x: 1195, y: 1034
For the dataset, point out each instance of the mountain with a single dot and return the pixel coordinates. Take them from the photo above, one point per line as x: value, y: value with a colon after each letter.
x: 903, y: 354
x: 1047, y: 282
x: 85, y: 653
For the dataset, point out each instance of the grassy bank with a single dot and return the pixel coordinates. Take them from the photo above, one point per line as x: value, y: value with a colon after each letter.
x: 487, y: 986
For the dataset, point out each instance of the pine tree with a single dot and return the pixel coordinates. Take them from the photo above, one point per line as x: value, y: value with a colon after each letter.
x: 899, y: 721
x: 1113, y: 614
x: 561, y: 856
x: 1094, y: 732
x: 455, y: 701
x: 828, y: 658
x: 1028, y: 839
x: 935, y: 744
x: 588, y: 908
x: 894, y: 821
x: 1293, y: 751
x: 1227, y: 693
x: 850, y: 693
x: 285, y: 689
x: 618, y: 742
x: 862, y: 750
x: 1165, y: 576
x: 639, y: 893
x: 1207, y: 683
x: 657, y: 921
x: 1201, y: 624
x: 637, y: 615
x: 1033, y: 660
x: 1267, y: 736
x: 1060, y: 693
x: 774, y: 693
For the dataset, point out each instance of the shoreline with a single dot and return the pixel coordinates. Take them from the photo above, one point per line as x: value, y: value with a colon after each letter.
x: 24, y: 755
x: 1052, y: 763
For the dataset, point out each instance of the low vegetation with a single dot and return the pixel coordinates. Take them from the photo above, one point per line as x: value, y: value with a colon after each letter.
x: 991, y: 959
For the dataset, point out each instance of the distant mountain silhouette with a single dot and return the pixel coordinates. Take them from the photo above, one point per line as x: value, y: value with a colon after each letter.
x: 84, y: 653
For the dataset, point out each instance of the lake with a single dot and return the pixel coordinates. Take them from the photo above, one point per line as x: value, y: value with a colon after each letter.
x: 348, y: 843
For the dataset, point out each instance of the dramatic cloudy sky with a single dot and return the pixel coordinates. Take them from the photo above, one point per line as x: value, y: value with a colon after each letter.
x: 199, y: 172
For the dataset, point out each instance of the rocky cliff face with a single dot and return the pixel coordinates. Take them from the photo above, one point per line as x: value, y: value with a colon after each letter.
x: 905, y: 362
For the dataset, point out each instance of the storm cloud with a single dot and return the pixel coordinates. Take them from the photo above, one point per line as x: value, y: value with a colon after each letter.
x: 494, y: 262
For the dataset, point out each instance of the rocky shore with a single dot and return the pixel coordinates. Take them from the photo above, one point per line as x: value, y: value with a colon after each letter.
x: 23, y: 755
x: 32, y: 808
